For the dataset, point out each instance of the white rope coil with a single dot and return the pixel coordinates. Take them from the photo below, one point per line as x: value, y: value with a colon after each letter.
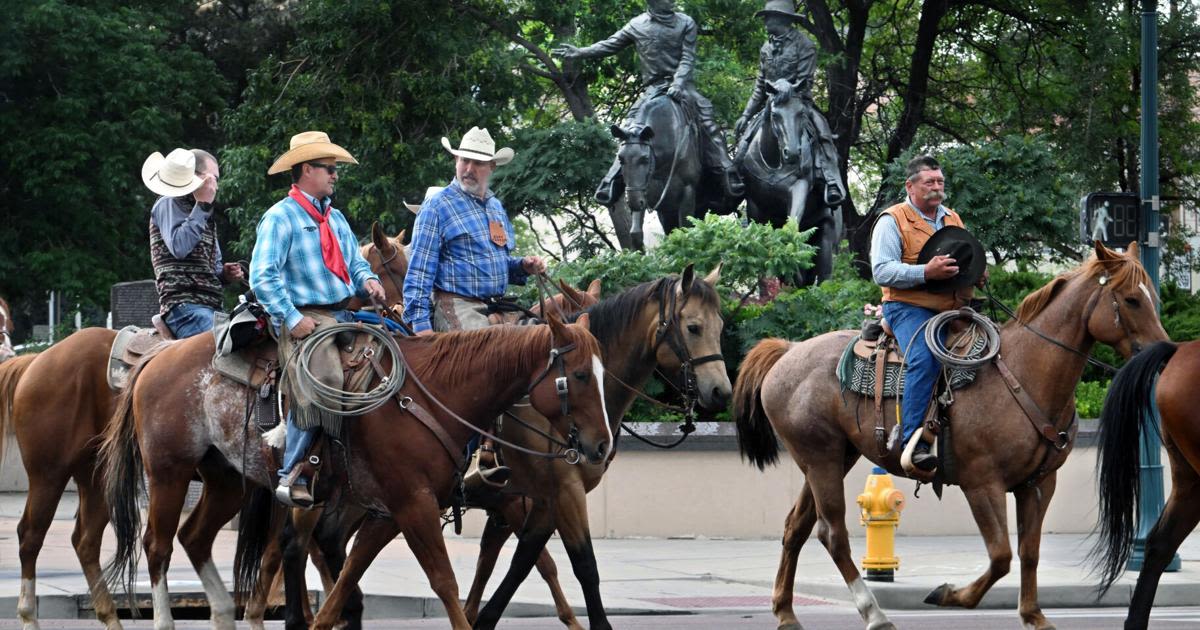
x: 961, y: 356
x: 337, y: 401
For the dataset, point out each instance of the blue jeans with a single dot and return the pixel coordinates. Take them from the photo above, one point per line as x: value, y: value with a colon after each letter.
x: 921, y: 373
x: 189, y: 320
x: 298, y: 440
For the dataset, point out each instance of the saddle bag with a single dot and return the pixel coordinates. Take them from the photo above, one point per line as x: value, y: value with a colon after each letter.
x: 247, y: 324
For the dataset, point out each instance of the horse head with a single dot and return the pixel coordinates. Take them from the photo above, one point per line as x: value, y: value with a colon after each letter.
x: 637, y: 162
x: 1126, y: 314
x: 570, y: 390
x: 690, y: 340
x: 388, y: 260
x: 786, y: 117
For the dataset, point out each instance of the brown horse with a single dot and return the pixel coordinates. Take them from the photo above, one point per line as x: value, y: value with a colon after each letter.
x: 1128, y: 411
x: 58, y: 403
x: 673, y: 324
x: 170, y: 430
x: 789, y: 390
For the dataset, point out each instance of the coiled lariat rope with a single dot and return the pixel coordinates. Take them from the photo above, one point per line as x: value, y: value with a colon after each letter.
x: 337, y: 401
x: 960, y: 356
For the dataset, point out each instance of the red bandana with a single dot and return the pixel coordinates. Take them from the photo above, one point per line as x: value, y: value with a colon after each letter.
x: 331, y: 252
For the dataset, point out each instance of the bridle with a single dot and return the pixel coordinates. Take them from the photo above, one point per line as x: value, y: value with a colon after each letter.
x: 387, y: 269
x: 650, y: 170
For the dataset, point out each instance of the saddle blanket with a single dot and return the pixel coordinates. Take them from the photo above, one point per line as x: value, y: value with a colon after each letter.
x: 857, y: 374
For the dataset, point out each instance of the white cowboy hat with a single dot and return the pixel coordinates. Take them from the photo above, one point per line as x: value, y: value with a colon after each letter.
x: 429, y: 192
x: 477, y: 144
x: 308, y: 146
x: 171, y: 176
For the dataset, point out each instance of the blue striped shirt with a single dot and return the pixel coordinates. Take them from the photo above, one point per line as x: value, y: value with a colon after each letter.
x: 286, y: 269
x: 452, y: 251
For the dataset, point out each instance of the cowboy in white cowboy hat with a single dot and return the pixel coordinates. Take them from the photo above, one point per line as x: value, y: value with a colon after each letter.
x: 305, y: 268
x: 188, y: 270
x: 429, y: 193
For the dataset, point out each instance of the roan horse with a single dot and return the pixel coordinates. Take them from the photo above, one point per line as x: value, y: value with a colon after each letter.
x: 782, y: 181
x: 1128, y: 411
x: 789, y: 390
x: 58, y: 403
x: 177, y: 417
x: 660, y: 162
x: 673, y: 324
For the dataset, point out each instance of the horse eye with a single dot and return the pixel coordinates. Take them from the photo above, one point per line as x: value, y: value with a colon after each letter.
x: 1132, y: 302
x: 694, y: 329
x: 582, y: 375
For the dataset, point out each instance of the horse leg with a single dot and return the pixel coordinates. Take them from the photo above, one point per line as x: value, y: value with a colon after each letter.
x: 796, y: 531
x: 89, y: 532
x: 330, y: 537
x: 1032, y: 503
x: 45, y: 490
x: 538, y: 526
x: 1178, y: 519
x: 622, y: 223
x: 495, y: 533
x: 167, y: 490
x: 268, y: 573
x: 549, y: 571
x: 826, y: 238
x: 219, y: 503
x: 798, y: 197
x: 293, y: 541
x: 572, y: 521
x: 990, y: 511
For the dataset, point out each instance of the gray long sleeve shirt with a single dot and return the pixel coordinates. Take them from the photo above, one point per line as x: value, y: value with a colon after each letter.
x: 886, y: 250
x: 182, y: 225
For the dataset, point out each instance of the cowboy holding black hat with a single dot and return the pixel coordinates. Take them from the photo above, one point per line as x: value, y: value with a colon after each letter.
x: 926, y: 262
x: 305, y: 268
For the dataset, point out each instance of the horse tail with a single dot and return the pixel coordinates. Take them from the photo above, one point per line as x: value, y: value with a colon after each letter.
x: 10, y: 374
x: 1124, y: 418
x: 121, y: 459
x: 756, y: 437
x: 254, y: 535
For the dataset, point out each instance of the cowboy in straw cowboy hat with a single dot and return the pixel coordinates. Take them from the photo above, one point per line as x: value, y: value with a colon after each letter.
x: 305, y: 268
x: 429, y: 193
x: 188, y: 270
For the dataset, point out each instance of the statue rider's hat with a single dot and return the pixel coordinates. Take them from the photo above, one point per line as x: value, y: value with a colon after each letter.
x: 786, y: 8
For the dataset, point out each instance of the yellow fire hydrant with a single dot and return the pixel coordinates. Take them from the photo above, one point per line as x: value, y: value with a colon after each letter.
x: 881, y: 504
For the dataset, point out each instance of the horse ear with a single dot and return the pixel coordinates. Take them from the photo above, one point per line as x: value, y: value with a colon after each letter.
x: 557, y: 329
x: 400, y: 235
x: 1132, y: 252
x: 584, y: 321
x: 687, y: 278
x: 646, y: 134
x: 380, y: 239
x: 714, y: 275
x: 770, y: 87
x: 618, y: 132
x: 571, y: 292
x: 594, y: 288
x: 1102, y: 252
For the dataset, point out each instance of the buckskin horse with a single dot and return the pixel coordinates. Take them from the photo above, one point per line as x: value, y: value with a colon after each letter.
x: 782, y: 181
x: 58, y: 403
x: 176, y: 417
x: 789, y: 390
x: 1128, y: 411
x: 672, y: 324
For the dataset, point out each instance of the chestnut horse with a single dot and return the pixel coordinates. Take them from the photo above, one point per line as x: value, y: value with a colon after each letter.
x: 177, y: 417
x: 673, y: 324
x: 58, y: 403
x: 1128, y: 411
x: 789, y: 390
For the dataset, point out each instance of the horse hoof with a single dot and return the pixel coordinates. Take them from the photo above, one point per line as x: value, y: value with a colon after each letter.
x: 791, y: 625
x: 938, y: 596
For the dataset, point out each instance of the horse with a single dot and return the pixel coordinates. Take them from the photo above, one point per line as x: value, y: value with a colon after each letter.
x: 168, y: 431
x: 58, y: 403
x: 660, y: 163
x: 1135, y: 392
x: 789, y: 390
x: 6, y: 328
x: 782, y: 182
x: 672, y: 324
x: 330, y: 531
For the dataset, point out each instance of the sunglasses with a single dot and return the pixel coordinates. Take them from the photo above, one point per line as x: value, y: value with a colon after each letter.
x: 330, y: 168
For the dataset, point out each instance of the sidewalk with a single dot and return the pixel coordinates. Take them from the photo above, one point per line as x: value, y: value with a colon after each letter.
x: 645, y: 576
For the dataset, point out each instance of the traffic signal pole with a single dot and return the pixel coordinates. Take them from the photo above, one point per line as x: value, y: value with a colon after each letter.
x: 1150, y: 503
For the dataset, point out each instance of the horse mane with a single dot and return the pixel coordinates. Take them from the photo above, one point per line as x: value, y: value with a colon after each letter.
x: 1123, y: 272
x: 459, y: 355
x: 613, y: 316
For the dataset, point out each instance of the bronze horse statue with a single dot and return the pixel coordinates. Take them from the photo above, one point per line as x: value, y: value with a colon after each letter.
x: 1133, y: 395
x: 783, y: 182
x: 789, y: 390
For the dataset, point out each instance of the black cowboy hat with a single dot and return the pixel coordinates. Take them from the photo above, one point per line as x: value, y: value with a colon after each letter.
x: 964, y: 248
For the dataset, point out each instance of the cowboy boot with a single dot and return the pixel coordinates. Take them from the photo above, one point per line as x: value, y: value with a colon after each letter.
x: 491, y: 471
x: 611, y: 186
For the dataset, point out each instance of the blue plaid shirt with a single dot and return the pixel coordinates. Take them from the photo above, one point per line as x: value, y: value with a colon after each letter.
x: 452, y: 251
x: 286, y: 269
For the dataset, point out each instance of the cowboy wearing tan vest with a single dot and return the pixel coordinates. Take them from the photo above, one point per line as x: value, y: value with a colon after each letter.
x: 899, y: 235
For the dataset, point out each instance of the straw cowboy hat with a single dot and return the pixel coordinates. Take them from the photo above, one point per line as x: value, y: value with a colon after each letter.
x: 477, y: 144
x: 171, y: 176
x: 786, y: 8
x: 429, y: 192
x: 308, y: 146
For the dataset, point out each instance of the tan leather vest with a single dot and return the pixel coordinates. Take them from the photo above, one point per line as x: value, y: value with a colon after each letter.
x: 914, y: 232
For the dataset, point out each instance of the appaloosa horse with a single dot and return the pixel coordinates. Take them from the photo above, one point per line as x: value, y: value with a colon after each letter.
x: 177, y: 416
x: 782, y: 181
x: 672, y: 324
x: 790, y: 390
x: 660, y: 163
x: 1129, y: 411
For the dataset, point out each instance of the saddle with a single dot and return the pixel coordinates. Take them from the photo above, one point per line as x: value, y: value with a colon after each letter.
x: 871, y: 363
x: 130, y: 346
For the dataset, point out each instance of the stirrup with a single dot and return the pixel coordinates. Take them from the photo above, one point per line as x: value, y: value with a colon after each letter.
x: 291, y: 494
x: 906, y: 459
x: 496, y: 476
x: 835, y: 198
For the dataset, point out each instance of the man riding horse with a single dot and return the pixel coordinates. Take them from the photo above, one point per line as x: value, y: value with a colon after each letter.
x: 786, y: 63
x: 666, y: 45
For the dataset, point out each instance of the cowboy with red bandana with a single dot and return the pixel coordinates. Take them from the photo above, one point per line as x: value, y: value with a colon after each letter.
x: 305, y: 268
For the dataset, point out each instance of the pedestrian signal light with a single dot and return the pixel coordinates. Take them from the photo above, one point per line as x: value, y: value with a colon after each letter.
x: 1113, y: 218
